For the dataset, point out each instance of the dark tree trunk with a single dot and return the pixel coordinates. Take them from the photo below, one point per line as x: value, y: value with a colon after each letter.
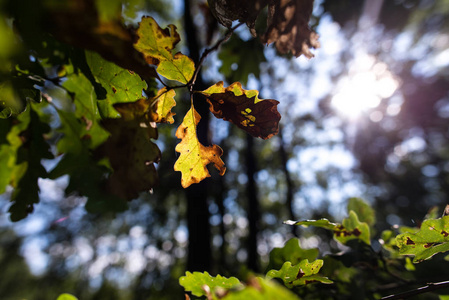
x: 288, y: 180
x: 253, y: 209
x: 199, y: 250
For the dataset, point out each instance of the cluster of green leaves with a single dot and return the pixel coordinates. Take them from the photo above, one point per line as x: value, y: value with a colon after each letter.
x: 115, y: 85
x: 357, y: 272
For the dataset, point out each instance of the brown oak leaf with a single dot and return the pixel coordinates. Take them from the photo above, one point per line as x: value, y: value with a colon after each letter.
x: 288, y: 27
x: 243, y: 108
x: 246, y: 11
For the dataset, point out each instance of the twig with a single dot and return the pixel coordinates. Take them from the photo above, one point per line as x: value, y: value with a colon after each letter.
x: 424, y: 289
x: 208, y: 51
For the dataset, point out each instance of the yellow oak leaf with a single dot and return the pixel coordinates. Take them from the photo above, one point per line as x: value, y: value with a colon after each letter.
x: 156, y: 45
x: 194, y: 156
x: 165, y: 101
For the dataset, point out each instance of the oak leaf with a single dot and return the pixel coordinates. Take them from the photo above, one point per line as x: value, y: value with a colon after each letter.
x: 156, y: 44
x: 194, y: 156
x: 226, y: 11
x: 243, y: 108
x: 288, y: 27
x: 164, y: 101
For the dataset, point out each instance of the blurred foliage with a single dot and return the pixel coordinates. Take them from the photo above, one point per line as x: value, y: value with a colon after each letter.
x: 401, y: 182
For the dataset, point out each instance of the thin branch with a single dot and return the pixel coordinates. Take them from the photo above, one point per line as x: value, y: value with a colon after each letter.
x: 208, y: 51
x: 425, y: 289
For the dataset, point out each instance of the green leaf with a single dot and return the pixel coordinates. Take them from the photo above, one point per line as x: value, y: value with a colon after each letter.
x: 363, y: 210
x: 10, y: 102
x: 350, y: 229
x: 66, y: 297
x: 321, y: 223
x: 291, y: 252
x: 432, y: 238
x: 300, y: 274
x: 86, y: 111
x: 202, y: 284
x: 243, y: 108
x: 261, y: 289
x: 156, y: 44
x: 87, y: 175
x: 121, y: 85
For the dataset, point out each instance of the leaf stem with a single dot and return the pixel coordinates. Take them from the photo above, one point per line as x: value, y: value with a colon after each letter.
x: 424, y: 289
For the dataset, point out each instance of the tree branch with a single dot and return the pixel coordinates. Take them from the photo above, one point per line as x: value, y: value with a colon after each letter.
x: 424, y: 289
x: 208, y: 51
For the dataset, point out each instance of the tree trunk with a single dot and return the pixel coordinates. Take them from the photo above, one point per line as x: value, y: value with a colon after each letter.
x: 253, y: 206
x: 199, y: 250
x: 288, y: 181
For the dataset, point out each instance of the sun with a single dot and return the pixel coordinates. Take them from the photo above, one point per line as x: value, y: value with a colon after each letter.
x: 362, y: 90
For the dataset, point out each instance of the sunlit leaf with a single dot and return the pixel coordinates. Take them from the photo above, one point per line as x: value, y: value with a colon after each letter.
x: 202, y: 284
x: 430, y: 239
x: 156, y: 44
x: 300, y: 274
x: 194, y: 156
x: 165, y: 101
x: 322, y: 223
x: 363, y: 210
x: 66, y: 297
x: 243, y: 108
x: 85, y: 100
x: 121, y: 85
x: 258, y: 288
x: 291, y: 252
x: 350, y: 229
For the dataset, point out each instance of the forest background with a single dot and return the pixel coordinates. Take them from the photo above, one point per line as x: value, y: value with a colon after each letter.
x: 366, y: 117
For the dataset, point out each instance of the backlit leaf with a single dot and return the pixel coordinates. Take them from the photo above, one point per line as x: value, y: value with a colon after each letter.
x: 364, y: 211
x: 226, y: 11
x: 66, y: 297
x: 300, y: 274
x: 194, y: 156
x: 85, y: 100
x: 121, y: 85
x: 165, y: 101
x: 350, y: 229
x: 202, y: 284
x: 243, y: 108
x: 291, y: 252
x: 322, y: 223
x: 288, y: 27
x: 156, y: 44
x: 432, y: 238
x: 258, y: 288
x: 132, y: 155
